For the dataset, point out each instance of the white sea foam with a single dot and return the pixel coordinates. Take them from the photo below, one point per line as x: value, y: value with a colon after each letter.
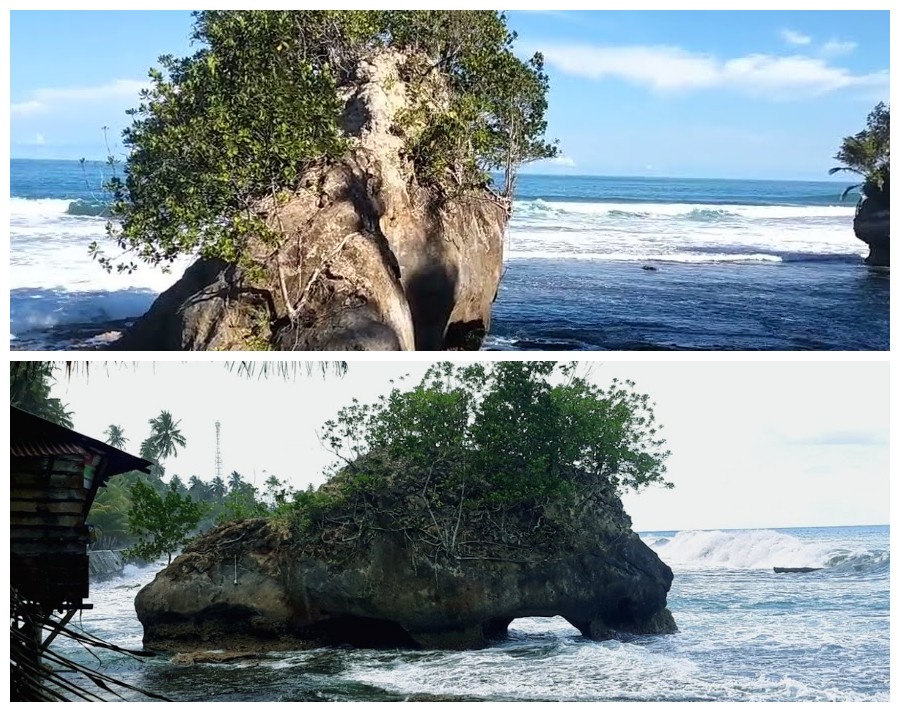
x: 758, y: 549
x: 681, y: 258
x: 54, y: 281
x: 666, y: 210
x: 685, y: 233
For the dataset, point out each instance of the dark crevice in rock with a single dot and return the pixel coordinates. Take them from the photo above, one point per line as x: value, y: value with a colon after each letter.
x: 364, y: 632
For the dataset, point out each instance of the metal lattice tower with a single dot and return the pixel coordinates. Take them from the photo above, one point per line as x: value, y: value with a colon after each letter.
x: 218, y: 449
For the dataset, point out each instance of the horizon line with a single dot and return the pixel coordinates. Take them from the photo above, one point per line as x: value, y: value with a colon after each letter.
x: 824, y: 179
x: 763, y: 528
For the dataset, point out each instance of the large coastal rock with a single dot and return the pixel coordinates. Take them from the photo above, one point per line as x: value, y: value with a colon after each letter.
x: 367, y: 257
x: 379, y: 580
x: 872, y: 224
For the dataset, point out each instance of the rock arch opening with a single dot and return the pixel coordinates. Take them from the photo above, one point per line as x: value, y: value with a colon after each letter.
x: 531, y: 624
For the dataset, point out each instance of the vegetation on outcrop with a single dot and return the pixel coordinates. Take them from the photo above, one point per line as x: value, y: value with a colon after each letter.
x: 483, y: 461
x: 868, y: 154
x: 222, y: 137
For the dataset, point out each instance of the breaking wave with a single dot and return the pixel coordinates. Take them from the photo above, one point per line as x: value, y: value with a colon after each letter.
x: 762, y: 549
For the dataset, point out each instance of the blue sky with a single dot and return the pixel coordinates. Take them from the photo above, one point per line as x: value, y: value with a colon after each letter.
x: 691, y: 94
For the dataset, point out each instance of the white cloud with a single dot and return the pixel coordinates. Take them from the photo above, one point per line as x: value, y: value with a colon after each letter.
x: 26, y: 108
x: 671, y: 69
x: 794, y: 37
x: 36, y: 140
x: 45, y: 100
x: 561, y: 160
x: 834, y: 48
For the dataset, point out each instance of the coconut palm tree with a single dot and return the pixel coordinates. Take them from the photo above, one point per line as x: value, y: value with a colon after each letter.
x: 218, y: 488
x: 235, y: 481
x: 115, y: 436
x: 198, y: 488
x: 165, y: 435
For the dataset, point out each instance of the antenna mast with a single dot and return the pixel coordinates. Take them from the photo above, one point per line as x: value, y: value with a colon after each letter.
x: 218, y: 449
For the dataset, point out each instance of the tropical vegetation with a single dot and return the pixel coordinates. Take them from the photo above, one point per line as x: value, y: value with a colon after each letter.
x: 221, y: 136
x: 32, y: 393
x: 139, y: 511
x: 482, y: 458
x: 868, y: 155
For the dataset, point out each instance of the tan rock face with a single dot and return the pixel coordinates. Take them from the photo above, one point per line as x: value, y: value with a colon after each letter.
x: 366, y: 257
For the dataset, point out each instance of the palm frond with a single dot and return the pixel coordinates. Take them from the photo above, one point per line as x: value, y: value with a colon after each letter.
x: 849, y: 190
x: 31, y: 369
x: 842, y: 169
x: 287, y: 369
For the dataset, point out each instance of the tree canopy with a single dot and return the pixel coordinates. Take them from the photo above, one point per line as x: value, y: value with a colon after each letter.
x: 165, y: 436
x: 868, y: 154
x: 235, y: 125
x: 483, y: 460
x: 513, y: 432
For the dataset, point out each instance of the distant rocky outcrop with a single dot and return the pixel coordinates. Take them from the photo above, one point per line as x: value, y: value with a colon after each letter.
x: 368, y: 258
x: 382, y: 577
x: 872, y: 224
x: 105, y: 564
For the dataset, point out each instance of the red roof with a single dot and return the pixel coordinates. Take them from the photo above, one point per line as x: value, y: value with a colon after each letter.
x: 44, y: 448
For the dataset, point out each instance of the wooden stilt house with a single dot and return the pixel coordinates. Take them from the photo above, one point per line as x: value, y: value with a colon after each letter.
x: 55, y: 474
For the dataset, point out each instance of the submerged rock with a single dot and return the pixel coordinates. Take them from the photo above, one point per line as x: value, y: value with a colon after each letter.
x: 386, y: 576
x: 103, y: 565
x: 367, y: 257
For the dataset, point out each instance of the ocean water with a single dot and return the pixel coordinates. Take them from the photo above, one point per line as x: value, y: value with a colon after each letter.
x: 746, y: 633
x: 591, y: 264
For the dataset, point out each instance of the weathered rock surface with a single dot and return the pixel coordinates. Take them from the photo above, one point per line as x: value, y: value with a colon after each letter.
x: 103, y: 565
x: 254, y: 585
x: 368, y: 259
x: 873, y: 226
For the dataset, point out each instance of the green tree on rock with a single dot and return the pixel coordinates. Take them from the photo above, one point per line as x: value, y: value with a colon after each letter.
x: 161, y: 523
x: 486, y: 455
x: 221, y: 136
x: 868, y: 154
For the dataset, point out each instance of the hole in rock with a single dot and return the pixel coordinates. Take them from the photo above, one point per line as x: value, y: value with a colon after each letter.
x: 536, y: 626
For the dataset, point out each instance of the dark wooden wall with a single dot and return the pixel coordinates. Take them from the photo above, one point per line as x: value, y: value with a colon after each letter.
x: 48, y: 535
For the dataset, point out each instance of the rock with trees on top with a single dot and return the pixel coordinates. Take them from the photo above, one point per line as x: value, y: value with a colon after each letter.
x: 332, y: 170
x: 868, y: 154
x: 483, y: 494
